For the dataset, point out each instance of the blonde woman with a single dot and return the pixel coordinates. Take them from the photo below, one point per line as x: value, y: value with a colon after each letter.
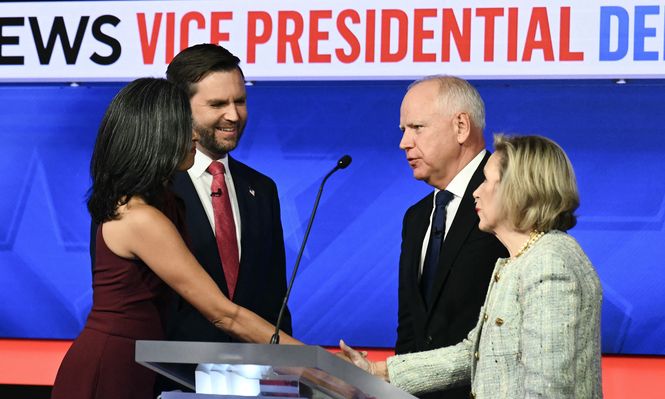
x: 538, y: 334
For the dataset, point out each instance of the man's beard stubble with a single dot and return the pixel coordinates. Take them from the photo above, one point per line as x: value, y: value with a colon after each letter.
x: 208, y: 140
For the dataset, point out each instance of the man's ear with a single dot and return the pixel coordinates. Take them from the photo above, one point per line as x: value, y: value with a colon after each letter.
x: 462, y: 127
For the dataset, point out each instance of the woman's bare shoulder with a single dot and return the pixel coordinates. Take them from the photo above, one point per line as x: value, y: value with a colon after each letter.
x: 137, y: 223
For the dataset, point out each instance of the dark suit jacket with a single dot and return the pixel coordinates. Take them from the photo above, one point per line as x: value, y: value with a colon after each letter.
x: 467, y: 259
x: 261, y: 282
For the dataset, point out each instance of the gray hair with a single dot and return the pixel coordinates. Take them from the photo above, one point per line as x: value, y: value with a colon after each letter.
x: 458, y: 95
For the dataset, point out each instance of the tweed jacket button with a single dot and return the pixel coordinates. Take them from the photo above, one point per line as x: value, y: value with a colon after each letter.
x: 476, y: 355
x: 496, y: 277
x: 485, y: 317
x: 499, y: 321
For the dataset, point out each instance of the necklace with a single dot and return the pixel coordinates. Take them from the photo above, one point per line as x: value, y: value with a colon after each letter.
x: 533, y: 237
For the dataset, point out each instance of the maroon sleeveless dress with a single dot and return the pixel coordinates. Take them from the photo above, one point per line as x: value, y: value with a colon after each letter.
x: 129, y: 304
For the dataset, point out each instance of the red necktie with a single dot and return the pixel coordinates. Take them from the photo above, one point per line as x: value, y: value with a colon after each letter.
x: 225, y: 228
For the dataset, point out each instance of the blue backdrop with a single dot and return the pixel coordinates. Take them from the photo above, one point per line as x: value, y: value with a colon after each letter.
x: 347, y: 283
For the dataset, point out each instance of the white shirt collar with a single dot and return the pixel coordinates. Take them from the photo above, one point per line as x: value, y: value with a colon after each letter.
x: 458, y: 185
x: 202, y: 161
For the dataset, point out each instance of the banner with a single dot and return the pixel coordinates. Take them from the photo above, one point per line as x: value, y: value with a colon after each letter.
x: 369, y: 39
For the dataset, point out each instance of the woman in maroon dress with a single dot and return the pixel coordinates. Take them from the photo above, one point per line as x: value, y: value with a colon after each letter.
x: 145, y: 136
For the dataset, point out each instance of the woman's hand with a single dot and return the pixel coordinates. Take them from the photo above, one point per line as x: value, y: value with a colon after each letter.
x: 378, y: 369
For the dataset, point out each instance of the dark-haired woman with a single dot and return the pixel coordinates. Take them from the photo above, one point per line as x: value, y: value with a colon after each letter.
x: 145, y: 136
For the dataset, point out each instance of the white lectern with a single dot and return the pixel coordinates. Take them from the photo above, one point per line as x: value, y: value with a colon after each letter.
x: 278, y: 371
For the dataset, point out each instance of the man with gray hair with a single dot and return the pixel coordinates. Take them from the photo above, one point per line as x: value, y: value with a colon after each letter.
x: 446, y: 262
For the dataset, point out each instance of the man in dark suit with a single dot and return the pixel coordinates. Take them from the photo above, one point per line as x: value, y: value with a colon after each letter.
x: 211, y: 76
x: 441, y: 291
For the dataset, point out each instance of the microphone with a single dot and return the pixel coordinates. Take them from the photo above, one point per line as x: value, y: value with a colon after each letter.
x: 341, y: 164
x: 217, y: 193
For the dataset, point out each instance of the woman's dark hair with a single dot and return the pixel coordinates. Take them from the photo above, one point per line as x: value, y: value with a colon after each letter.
x: 144, y: 136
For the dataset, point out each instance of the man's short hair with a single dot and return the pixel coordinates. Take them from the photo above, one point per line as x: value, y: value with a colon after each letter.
x: 458, y: 95
x: 194, y: 63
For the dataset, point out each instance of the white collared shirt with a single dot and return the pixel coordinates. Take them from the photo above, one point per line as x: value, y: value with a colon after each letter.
x: 457, y: 187
x: 202, y: 183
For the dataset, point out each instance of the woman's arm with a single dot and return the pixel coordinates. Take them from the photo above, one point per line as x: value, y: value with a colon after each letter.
x: 433, y: 370
x: 421, y: 372
x: 144, y: 232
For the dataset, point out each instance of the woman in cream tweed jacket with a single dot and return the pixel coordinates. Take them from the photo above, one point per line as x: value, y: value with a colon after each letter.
x: 538, y: 334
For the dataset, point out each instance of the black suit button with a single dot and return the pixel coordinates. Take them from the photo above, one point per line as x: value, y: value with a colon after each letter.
x: 428, y: 340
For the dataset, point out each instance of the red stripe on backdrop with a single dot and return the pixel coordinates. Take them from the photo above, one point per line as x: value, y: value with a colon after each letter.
x: 35, y: 362
x: 30, y: 362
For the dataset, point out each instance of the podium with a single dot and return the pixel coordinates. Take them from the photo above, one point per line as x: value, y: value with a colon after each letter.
x: 284, y: 371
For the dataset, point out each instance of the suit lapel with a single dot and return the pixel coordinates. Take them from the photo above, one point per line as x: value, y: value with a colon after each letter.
x: 246, y: 207
x: 421, y: 221
x: 465, y: 221
x: 198, y: 225
x: 201, y: 236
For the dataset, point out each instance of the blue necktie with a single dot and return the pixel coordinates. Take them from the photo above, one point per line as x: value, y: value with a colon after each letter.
x: 431, y: 264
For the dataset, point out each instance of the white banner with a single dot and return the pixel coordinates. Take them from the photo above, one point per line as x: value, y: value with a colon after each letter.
x: 368, y: 39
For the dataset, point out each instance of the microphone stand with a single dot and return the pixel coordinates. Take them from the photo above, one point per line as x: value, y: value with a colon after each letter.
x: 341, y: 164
